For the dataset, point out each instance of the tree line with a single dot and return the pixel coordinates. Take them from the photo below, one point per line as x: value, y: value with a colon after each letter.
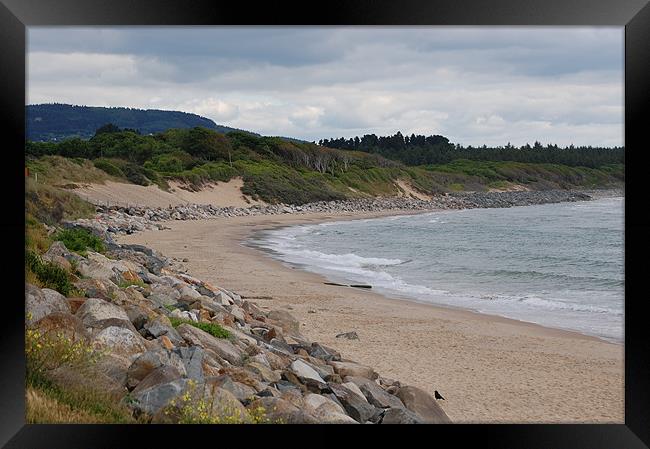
x: 436, y: 149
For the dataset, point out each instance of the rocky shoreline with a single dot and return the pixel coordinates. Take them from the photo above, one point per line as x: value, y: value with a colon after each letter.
x: 177, y: 349
x: 126, y: 220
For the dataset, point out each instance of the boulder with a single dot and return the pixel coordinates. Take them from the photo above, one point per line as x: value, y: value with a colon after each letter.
x: 223, y: 348
x: 356, y: 406
x: 164, y: 295
x: 75, y: 303
x: 244, y: 376
x: 238, y: 313
x: 281, y: 411
x: 192, y: 359
x: 423, y: 405
x: 94, y: 288
x: 241, y: 335
x: 161, y: 326
x: 223, y: 404
x: 374, y: 393
x: 137, y: 315
x: 266, y: 373
x: 285, y: 384
x: 95, y: 313
x: 353, y: 388
x: 120, y: 341
x: 316, y: 400
x: 58, y: 249
x: 277, y: 362
x: 114, y: 367
x: 62, y: 262
x: 42, y: 302
x: 353, y: 369
x: 154, y: 399
x: 400, y: 415
x: 149, y: 361
x: 96, y: 269
x: 241, y: 391
x: 285, y: 320
x: 62, y: 323
x: 187, y: 291
x: 305, y: 371
x: 158, y: 376
x: 323, y: 352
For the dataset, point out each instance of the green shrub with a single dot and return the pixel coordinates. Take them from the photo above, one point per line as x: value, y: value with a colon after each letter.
x: 125, y: 284
x: 109, y: 168
x: 49, y: 274
x: 211, y: 328
x: 79, y: 240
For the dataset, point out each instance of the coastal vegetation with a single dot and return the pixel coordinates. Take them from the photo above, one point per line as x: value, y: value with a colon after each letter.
x: 213, y: 329
x: 279, y: 171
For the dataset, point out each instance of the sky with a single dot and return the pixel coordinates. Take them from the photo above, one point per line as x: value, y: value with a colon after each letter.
x: 474, y: 85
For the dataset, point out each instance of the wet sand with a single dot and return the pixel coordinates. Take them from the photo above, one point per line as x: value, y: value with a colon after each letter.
x: 489, y: 369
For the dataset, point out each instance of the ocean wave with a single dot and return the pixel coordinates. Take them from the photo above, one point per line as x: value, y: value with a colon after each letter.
x: 339, y: 260
x: 560, y: 305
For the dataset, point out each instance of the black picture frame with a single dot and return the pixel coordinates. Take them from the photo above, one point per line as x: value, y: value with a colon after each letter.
x: 16, y: 15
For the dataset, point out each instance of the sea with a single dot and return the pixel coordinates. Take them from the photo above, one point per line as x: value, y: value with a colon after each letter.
x: 559, y: 265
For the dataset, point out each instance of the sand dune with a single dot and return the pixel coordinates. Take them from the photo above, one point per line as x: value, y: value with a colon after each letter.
x: 218, y: 194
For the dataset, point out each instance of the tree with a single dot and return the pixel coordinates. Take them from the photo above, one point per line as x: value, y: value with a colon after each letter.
x: 107, y: 128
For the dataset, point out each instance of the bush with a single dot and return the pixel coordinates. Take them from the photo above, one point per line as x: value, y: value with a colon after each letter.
x: 211, y: 328
x: 109, y: 168
x: 197, y: 407
x: 47, y: 352
x: 49, y: 274
x: 79, y: 240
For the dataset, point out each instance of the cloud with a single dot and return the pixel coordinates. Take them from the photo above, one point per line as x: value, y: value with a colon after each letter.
x: 476, y: 85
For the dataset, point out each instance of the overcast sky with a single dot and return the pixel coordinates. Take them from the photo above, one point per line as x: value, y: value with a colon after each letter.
x: 476, y: 85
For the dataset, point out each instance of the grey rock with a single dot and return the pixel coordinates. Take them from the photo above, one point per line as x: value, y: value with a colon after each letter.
x: 158, y: 376
x: 349, y: 335
x: 147, y: 362
x: 223, y: 348
x: 281, y: 411
x: 353, y: 369
x: 423, y: 405
x: 305, y: 371
x: 374, y: 393
x: 323, y: 352
x: 400, y: 415
x: 192, y: 359
x: 285, y: 320
x: 357, y: 407
x: 42, y: 302
x: 241, y: 391
x: 120, y: 341
x: 154, y: 399
x: 95, y: 312
x: 159, y: 327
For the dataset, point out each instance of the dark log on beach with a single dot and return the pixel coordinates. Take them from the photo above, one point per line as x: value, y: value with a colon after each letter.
x: 346, y: 285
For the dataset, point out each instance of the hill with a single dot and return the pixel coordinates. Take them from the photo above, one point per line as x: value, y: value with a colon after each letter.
x: 55, y: 122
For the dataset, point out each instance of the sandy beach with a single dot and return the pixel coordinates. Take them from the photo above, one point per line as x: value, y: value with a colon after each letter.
x: 489, y: 369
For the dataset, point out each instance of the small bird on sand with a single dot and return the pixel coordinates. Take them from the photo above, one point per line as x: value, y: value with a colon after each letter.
x: 437, y: 395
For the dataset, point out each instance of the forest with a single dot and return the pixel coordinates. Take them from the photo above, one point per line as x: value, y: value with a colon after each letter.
x: 56, y: 121
x: 436, y: 149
